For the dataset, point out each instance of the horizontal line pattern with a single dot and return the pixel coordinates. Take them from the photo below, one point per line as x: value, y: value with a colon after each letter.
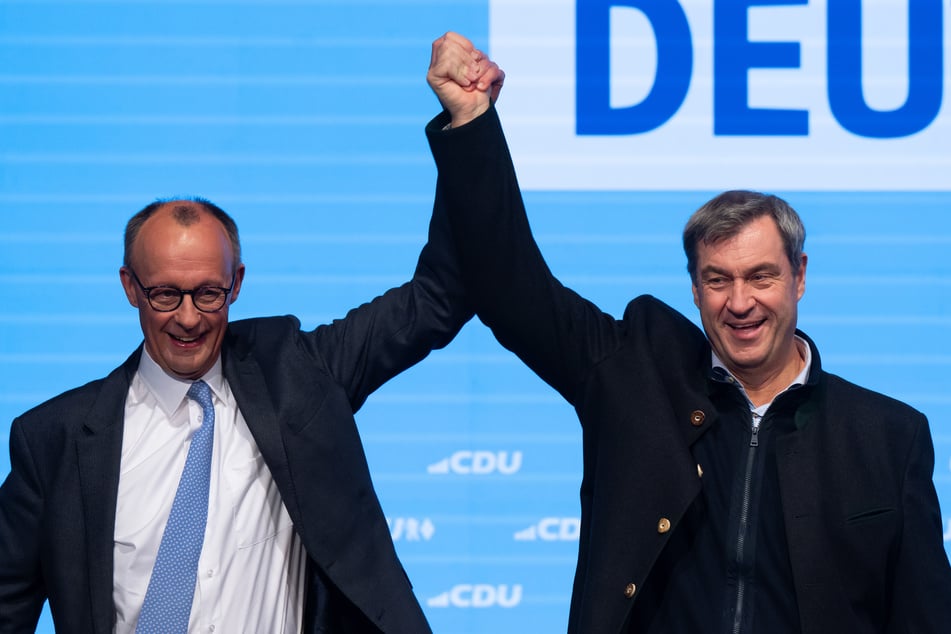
x: 304, y: 119
x: 132, y: 201
x: 209, y: 159
x: 268, y: 4
x: 243, y: 42
x: 543, y: 239
x: 155, y: 120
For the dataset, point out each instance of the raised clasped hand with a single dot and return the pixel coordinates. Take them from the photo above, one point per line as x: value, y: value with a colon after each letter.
x: 465, y: 80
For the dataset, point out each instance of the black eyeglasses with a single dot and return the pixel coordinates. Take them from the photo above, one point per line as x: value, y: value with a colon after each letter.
x: 165, y: 299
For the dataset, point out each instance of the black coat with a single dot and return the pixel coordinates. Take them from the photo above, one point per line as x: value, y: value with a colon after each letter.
x: 298, y: 392
x: 855, y: 469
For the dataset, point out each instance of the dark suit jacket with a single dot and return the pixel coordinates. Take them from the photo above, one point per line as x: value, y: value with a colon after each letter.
x: 855, y: 470
x: 298, y: 392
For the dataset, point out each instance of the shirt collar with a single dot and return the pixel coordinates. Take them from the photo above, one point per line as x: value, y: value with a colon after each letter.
x: 721, y: 373
x: 170, y: 391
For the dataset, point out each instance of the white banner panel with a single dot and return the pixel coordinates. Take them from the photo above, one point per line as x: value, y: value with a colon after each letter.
x: 704, y: 94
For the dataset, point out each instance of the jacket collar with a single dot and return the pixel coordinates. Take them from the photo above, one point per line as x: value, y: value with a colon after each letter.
x: 798, y: 398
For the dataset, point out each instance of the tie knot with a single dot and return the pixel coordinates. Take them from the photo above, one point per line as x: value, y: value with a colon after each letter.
x: 200, y: 393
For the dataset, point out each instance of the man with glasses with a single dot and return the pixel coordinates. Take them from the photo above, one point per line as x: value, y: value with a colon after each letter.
x: 288, y: 534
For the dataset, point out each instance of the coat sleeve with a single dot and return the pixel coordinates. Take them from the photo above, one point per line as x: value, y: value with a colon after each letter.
x: 557, y: 333
x: 921, y: 588
x: 22, y: 590
x: 379, y: 339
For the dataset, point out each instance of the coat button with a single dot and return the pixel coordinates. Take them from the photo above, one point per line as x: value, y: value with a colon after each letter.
x: 699, y: 471
x: 663, y: 525
x: 696, y: 417
x: 630, y: 590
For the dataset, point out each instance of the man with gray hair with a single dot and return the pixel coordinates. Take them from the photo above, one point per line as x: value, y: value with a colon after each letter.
x: 730, y: 484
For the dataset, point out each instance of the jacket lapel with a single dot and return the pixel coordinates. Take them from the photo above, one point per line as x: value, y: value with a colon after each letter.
x: 99, y: 452
x: 248, y: 384
x: 823, y: 607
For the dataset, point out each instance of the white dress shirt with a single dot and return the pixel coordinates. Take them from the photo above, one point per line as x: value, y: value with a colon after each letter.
x: 251, y: 570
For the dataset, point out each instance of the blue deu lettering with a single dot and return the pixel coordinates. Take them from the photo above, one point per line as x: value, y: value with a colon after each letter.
x: 735, y: 55
x: 593, y: 82
x: 925, y: 71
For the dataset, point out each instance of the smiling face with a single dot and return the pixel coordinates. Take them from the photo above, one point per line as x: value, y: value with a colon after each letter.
x: 748, y: 293
x: 184, y: 342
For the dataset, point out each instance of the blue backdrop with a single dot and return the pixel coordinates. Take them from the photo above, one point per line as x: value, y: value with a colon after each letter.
x: 304, y: 119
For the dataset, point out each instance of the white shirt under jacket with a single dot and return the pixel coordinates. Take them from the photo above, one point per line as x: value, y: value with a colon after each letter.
x: 251, y: 571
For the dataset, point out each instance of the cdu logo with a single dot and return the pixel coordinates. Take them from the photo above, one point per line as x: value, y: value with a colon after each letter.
x: 551, y: 529
x: 467, y: 462
x: 480, y: 595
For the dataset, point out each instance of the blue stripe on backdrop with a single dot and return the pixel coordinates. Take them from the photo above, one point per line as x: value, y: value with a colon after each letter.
x: 304, y: 119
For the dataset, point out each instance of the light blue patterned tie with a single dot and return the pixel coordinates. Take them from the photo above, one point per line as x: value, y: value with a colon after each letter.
x: 168, y: 601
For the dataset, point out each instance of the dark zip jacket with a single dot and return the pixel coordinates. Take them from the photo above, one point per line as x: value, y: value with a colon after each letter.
x: 853, y: 488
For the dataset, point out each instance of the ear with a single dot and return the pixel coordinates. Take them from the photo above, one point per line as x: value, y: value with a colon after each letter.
x: 129, y: 286
x: 696, y: 294
x: 236, y: 288
x: 801, y: 278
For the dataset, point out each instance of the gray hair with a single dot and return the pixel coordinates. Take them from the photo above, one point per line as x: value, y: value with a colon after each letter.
x: 725, y: 215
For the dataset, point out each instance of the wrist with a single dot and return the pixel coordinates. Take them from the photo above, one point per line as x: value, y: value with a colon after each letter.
x: 466, y: 115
